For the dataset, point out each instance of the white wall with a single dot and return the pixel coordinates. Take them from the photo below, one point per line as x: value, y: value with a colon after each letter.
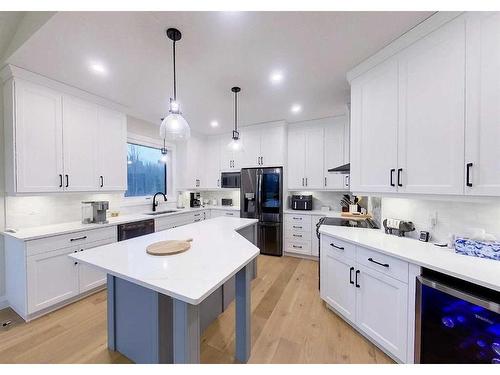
x: 452, y: 217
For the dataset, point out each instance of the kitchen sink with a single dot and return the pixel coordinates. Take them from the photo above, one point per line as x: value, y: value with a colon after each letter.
x: 161, y: 212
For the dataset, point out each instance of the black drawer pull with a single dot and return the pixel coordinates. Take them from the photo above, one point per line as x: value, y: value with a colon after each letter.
x: 78, y: 238
x: 350, y: 275
x: 297, y: 235
x: 297, y: 218
x: 357, y: 273
x: 468, y: 183
x: 400, y: 170
x: 296, y: 227
x: 392, y: 177
x: 297, y: 247
x: 380, y: 264
x: 337, y: 247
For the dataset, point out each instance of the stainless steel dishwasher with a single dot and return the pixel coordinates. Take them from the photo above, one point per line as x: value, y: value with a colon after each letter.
x: 135, y: 229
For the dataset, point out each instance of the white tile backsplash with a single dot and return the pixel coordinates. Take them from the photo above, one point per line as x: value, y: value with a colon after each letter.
x: 453, y: 217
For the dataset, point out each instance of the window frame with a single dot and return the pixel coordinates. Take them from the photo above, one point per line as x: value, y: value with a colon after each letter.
x: 170, y: 174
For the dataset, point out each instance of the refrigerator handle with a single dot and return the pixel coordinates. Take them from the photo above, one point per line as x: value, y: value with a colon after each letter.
x: 258, y: 193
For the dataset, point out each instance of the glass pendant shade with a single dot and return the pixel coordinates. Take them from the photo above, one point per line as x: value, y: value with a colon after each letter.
x: 175, y: 128
x: 235, y: 145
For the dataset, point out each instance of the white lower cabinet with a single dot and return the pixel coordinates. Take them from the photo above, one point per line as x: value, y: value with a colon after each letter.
x: 370, y: 291
x: 382, y: 310
x: 299, y: 234
x: 334, y: 289
x: 52, y: 278
x: 228, y: 213
x: 41, y: 276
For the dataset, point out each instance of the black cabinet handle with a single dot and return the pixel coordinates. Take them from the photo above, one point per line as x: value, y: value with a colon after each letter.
x: 380, y: 264
x: 76, y: 263
x: 357, y: 273
x: 350, y: 275
x: 468, y: 183
x: 400, y: 170
x: 60, y: 180
x: 78, y: 238
x: 392, y: 176
x: 67, y: 180
x: 297, y: 235
x: 102, y: 181
x: 337, y: 247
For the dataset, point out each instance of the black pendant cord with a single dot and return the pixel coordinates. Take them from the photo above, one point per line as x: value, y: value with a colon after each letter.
x: 175, y: 83
x: 236, y: 111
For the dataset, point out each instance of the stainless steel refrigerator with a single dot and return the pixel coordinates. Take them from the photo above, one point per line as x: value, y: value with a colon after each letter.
x: 261, y: 197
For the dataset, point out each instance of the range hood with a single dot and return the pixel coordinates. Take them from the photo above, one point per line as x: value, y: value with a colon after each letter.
x: 343, y: 169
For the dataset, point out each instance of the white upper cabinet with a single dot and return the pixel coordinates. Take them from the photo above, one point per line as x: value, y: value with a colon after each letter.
x: 374, y: 129
x: 111, y: 150
x: 296, y: 158
x: 431, y: 112
x: 190, y: 170
x: 56, y: 142
x: 482, y: 128
x: 80, y: 122
x: 250, y: 155
x: 34, y: 140
x: 212, y: 163
x: 335, y: 144
x: 273, y: 145
x: 263, y: 145
x: 314, y: 172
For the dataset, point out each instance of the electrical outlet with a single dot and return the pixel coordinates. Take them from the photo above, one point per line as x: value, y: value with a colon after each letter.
x: 433, y: 218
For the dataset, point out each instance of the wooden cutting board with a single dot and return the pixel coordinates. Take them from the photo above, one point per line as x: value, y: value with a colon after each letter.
x: 351, y: 216
x: 169, y: 247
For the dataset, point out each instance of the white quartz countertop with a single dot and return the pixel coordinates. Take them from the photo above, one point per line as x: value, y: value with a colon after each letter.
x: 33, y: 233
x: 216, y: 254
x: 484, y: 272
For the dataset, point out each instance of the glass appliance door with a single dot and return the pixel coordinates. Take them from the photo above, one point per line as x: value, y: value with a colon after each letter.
x: 455, y: 326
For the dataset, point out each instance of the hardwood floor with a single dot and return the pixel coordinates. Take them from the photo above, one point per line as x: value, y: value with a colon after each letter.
x: 290, y: 324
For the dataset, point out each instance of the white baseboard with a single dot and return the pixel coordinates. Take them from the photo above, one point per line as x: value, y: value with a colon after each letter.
x: 3, y: 302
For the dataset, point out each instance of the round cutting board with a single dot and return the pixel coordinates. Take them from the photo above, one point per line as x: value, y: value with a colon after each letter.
x: 169, y: 247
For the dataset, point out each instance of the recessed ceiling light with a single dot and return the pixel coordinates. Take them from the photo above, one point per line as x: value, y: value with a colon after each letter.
x: 276, y: 77
x: 296, y: 108
x: 214, y: 124
x: 98, y: 68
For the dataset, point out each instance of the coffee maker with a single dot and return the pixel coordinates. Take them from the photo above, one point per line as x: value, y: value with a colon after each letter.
x: 94, y: 212
x: 194, y: 200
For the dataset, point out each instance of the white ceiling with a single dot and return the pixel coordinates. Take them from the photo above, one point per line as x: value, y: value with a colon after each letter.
x: 8, y: 26
x: 218, y: 50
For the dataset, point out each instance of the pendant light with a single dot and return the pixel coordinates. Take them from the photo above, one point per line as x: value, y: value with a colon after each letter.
x: 235, y: 144
x: 174, y: 127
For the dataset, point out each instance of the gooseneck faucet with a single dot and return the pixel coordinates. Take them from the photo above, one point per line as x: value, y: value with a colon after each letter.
x: 155, y: 203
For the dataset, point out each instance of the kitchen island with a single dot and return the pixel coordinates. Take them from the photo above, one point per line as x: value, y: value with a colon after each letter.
x: 153, y: 301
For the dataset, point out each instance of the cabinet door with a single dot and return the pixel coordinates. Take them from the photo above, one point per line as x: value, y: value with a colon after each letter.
x: 296, y: 159
x: 80, y: 121
x: 111, y: 139
x: 431, y: 112
x: 226, y: 155
x: 52, y: 278
x: 212, y: 167
x: 482, y: 130
x: 336, y: 288
x: 314, y: 158
x: 334, y: 143
x: 89, y: 277
x: 382, y: 310
x: 251, y: 148
x: 374, y: 129
x: 38, y: 139
x: 187, y: 163
x: 273, y: 146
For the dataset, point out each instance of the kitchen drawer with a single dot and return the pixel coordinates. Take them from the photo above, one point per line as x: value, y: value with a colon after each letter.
x: 80, y: 238
x: 299, y: 247
x: 297, y: 235
x: 304, y: 220
x: 385, y: 264
x: 297, y: 227
x: 166, y: 222
x: 337, y: 248
x: 229, y: 213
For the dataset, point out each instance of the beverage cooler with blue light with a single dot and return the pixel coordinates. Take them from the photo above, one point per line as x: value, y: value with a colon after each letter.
x: 456, y: 321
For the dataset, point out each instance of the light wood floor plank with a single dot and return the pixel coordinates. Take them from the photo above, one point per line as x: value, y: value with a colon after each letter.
x: 290, y: 324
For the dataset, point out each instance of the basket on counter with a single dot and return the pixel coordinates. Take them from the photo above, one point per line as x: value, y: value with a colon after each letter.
x: 476, y: 248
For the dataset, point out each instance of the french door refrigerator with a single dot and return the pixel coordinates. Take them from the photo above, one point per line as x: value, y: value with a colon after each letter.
x: 261, y: 197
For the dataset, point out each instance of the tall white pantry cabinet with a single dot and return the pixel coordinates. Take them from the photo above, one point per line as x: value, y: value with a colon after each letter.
x: 55, y: 142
